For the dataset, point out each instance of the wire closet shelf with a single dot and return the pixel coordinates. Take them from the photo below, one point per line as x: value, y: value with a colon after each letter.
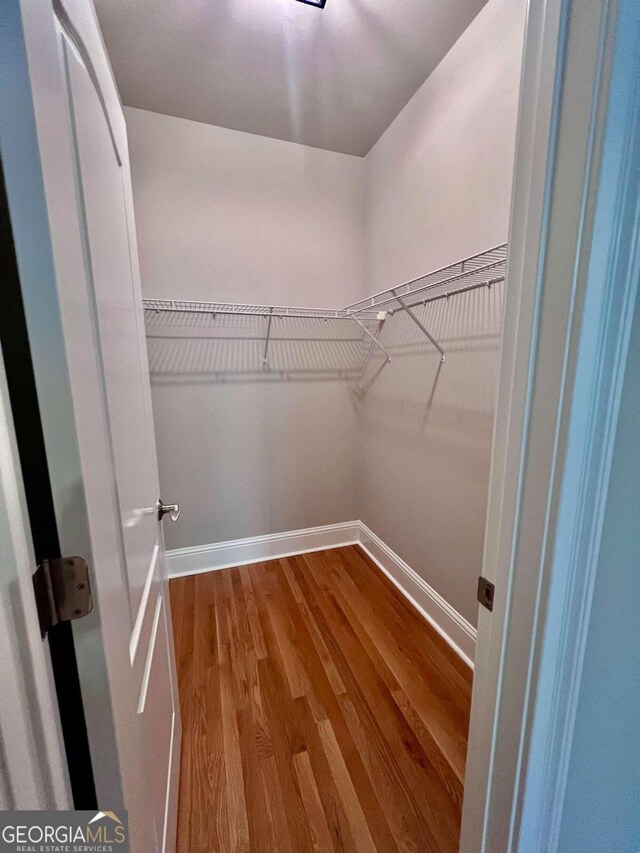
x: 332, y: 340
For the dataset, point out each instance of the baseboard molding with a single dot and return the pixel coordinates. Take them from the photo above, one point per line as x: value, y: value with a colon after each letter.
x: 240, y: 552
x: 453, y: 627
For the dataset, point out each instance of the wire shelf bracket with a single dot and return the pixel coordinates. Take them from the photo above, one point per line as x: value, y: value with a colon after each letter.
x: 421, y: 326
x: 265, y: 357
x: 374, y: 340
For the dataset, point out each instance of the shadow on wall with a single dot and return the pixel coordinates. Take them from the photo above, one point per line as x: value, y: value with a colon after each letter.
x: 223, y: 349
x: 425, y: 431
x: 417, y: 385
x: 197, y: 348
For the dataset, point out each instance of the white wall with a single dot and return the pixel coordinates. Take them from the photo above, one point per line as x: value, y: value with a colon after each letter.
x: 438, y: 189
x: 229, y: 216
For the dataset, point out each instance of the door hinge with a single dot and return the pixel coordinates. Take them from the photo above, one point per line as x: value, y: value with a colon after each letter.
x: 62, y: 591
x: 486, y: 592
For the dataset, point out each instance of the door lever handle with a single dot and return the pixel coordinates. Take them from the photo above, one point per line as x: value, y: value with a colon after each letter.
x: 172, y: 510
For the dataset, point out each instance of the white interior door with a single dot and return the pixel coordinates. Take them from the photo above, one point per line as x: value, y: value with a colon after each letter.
x: 119, y: 342
x: 84, y: 313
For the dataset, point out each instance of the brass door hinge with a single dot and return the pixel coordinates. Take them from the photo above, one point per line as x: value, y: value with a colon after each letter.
x: 62, y: 591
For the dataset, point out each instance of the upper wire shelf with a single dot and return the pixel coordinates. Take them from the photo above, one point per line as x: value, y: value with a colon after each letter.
x: 480, y: 270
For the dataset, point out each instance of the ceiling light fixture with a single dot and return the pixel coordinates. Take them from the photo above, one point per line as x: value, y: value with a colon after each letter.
x: 318, y: 3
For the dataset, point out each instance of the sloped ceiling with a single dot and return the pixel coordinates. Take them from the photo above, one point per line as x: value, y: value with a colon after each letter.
x: 333, y: 78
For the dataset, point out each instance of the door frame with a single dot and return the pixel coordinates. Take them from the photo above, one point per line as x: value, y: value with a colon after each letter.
x: 574, y: 264
x: 35, y: 768
x: 22, y: 430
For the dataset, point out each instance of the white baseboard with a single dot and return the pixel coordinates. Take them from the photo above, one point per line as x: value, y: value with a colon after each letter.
x: 460, y: 634
x: 455, y: 629
x: 240, y: 552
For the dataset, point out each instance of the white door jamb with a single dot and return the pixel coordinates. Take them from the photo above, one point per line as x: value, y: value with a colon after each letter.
x: 573, y: 277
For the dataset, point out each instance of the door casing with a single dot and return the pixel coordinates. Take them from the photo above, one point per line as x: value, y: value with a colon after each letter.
x: 572, y: 283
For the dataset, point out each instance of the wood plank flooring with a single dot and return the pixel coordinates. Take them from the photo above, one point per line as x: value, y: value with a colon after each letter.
x: 320, y: 712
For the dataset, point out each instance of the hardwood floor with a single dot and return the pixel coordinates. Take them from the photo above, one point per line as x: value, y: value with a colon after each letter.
x: 319, y: 711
